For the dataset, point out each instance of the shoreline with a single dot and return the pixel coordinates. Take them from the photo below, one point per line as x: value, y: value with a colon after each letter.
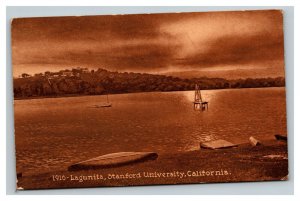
x: 83, y: 95
x: 267, y: 162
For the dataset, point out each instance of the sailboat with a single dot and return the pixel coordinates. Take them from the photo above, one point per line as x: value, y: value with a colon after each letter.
x: 107, y: 104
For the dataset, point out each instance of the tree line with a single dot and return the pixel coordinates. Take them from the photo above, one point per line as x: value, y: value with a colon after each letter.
x: 101, y: 81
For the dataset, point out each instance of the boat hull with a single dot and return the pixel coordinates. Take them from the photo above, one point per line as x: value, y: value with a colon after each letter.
x: 113, y: 160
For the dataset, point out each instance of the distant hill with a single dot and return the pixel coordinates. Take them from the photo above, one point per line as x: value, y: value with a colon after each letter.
x: 228, y: 74
x: 95, y: 82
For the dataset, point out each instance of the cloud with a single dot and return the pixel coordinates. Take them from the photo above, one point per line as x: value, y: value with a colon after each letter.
x: 151, y: 42
x: 233, y: 50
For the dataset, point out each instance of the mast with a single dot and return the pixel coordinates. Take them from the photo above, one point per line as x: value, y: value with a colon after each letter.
x: 199, y: 104
x: 198, y: 97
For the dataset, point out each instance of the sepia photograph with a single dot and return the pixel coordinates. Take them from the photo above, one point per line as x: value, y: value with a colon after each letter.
x: 149, y: 99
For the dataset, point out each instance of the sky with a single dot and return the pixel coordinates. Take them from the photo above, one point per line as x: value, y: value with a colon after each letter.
x: 231, y: 44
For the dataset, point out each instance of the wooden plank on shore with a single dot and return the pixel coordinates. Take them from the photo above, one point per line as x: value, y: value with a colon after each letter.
x: 254, y: 142
x: 113, y: 160
x: 217, y: 144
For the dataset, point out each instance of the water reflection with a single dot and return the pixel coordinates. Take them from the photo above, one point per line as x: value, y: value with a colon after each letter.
x: 51, y: 133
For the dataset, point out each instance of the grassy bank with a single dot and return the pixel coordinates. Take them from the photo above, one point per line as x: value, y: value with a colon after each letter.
x: 244, y: 163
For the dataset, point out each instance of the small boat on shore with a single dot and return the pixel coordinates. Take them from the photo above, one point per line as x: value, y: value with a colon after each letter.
x: 217, y: 144
x: 113, y: 160
x: 281, y: 137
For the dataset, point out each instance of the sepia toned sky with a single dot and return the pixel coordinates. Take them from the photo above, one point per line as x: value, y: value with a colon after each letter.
x: 216, y: 44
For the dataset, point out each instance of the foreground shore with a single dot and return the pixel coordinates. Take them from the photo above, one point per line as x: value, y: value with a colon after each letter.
x: 267, y: 162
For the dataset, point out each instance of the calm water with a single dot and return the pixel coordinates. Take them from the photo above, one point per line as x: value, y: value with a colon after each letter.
x: 54, y: 132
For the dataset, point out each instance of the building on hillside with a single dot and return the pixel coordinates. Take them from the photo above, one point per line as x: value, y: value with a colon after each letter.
x: 67, y: 73
x: 85, y: 70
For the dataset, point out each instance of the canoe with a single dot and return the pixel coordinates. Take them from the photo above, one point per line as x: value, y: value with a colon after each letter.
x: 106, y: 105
x: 103, y: 105
x: 217, y: 144
x: 113, y: 160
x: 281, y: 137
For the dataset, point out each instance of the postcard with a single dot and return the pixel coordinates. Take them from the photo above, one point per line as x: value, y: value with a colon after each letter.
x: 149, y: 99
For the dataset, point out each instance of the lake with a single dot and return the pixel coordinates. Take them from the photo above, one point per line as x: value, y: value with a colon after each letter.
x: 52, y: 133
